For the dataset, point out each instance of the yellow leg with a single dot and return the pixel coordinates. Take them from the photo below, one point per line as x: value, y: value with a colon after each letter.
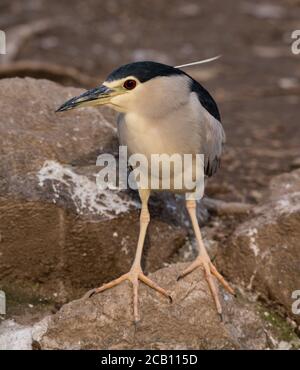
x: 204, y: 261
x: 136, y: 274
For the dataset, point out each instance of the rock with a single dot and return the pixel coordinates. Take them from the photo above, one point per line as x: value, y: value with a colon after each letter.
x: 14, y: 336
x: 105, y: 321
x: 263, y: 253
x: 60, y: 235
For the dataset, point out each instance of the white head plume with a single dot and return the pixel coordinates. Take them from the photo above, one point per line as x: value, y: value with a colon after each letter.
x: 199, y: 62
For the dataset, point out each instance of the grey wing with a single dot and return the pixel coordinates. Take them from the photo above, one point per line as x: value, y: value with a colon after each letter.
x: 213, y: 140
x: 212, y: 133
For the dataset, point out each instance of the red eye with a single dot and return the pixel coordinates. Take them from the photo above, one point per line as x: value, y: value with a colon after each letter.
x: 129, y: 84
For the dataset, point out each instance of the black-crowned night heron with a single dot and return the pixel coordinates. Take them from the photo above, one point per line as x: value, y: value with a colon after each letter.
x: 162, y: 110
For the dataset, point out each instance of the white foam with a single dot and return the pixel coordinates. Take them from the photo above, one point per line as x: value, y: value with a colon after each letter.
x: 288, y: 203
x: 14, y: 336
x: 252, y: 245
x: 84, y: 193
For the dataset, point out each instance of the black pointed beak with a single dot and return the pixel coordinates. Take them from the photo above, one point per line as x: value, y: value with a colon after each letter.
x: 99, y: 95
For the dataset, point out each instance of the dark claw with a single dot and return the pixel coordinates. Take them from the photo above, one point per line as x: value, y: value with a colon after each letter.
x: 136, y: 325
x: 170, y: 299
x: 221, y: 317
x: 89, y: 294
x: 179, y: 277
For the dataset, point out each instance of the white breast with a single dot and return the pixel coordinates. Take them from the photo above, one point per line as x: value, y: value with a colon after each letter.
x: 177, y: 132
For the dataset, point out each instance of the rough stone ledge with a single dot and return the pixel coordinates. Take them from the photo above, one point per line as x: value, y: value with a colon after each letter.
x: 106, y: 321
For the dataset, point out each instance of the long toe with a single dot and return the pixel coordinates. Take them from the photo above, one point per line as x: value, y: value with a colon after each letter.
x: 210, y: 272
x: 155, y: 286
x: 216, y: 273
x: 195, y: 264
x: 213, y: 288
x: 134, y: 276
x: 106, y: 286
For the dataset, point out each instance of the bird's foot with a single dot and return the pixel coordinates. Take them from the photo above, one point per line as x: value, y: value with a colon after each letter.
x: 134, y: 276
x: 210, y: 271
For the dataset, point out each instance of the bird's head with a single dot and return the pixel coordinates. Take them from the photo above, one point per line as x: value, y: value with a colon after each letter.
x: 142, y: 87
